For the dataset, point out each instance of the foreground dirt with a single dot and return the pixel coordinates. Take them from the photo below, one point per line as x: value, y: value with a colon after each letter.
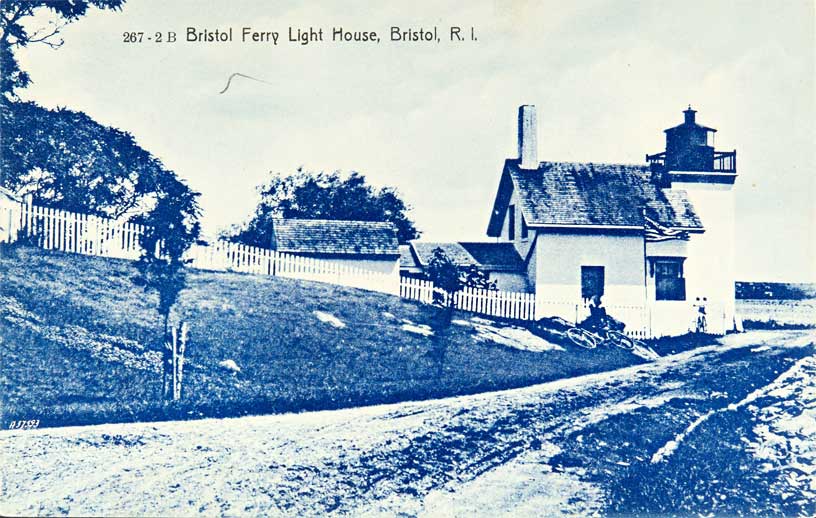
x: 619, y: 442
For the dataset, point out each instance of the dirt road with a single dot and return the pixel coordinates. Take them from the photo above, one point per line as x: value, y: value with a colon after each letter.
x: 726, y: 429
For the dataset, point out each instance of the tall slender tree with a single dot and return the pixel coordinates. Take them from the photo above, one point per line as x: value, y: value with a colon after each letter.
x: 170, y: 229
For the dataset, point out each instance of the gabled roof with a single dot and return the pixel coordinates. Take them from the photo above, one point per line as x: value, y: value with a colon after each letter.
x: 407, y: 259
x: 323, y: 236
x: 567, y: 194
x: 455, y: 251
x: 494, y: 257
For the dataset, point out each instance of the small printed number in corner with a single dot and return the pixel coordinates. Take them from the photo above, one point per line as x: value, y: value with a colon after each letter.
x: 30, y: 424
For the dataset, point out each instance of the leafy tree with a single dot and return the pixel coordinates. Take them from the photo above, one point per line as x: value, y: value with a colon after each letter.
x: 473, y: 277
x: 63, y: 158
x: 311, y: 195
x: 15, y: 31
x: 448, y: 276
x: 451, y: 278
x: 66, y: 160
x: 171, y: 227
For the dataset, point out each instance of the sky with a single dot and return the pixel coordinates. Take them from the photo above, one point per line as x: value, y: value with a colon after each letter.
x: 437, y: 120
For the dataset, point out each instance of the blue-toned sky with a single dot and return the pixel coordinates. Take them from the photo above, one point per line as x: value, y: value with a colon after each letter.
x: 437, y: 120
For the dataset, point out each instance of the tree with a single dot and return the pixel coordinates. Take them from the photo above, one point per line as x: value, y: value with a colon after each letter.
x: 309, y: 195
x: 15, y: 22
x: 171, y: 227
x: 68, y: 161
x: 450, y: 278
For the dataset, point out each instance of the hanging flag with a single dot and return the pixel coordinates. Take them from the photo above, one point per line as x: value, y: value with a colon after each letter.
x: 654, y: 231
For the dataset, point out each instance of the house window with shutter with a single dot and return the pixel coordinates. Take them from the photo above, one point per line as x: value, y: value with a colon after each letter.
x: 511, y: 222
x: 669, y: 281
x: 592, y: 281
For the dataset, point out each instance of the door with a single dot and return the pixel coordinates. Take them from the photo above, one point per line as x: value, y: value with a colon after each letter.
x: 592, y: 282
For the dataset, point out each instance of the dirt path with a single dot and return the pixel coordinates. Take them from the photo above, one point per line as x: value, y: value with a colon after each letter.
x: 565, y: 447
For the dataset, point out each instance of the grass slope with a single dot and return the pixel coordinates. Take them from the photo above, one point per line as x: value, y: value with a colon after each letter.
x: 76, y: 338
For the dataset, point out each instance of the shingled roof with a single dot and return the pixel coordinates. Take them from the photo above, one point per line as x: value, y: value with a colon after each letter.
x: 407, y: 259
x: 340, y: 237
x: 595, y: 195
x: 496, y: 257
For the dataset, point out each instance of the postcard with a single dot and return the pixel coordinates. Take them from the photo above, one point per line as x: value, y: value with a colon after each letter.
x: 429, y: 259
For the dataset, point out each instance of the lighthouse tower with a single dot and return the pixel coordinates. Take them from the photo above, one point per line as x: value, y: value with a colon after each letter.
x: 690, y: 163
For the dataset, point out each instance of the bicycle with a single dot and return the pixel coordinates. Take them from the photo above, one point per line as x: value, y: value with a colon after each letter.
x: 589, y: 340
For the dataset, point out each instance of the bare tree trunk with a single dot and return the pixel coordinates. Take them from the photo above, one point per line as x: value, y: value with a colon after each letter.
x: 166, y: 359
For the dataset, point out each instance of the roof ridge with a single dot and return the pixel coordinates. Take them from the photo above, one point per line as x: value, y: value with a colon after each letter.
x: 322, y: 220
x: 618, y: 164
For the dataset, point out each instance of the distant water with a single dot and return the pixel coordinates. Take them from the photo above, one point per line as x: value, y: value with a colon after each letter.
x: 781, y: 311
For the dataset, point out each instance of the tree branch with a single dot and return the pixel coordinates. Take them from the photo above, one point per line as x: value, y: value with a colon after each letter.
x: 36, y: 38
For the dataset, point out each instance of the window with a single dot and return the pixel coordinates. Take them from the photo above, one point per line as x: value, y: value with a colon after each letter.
x: 669, y: 281
x: 592, y: 281
x: 524, y: 231
x: 511, y: 222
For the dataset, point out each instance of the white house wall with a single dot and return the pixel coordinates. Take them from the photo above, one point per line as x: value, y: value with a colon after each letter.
x: 559, y: 258
x: 510, y: 281
x: 389, y: 266
x: 672, y: 248
x: 710, y: 269
x: 669, y: 317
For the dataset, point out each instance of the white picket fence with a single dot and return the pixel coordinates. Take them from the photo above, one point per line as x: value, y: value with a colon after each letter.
x: 504, y: 304
x: 522, y: 306
x: 664, y: 318
x: 55, y: 229
x: 65, y: 231
x: 416, y: 289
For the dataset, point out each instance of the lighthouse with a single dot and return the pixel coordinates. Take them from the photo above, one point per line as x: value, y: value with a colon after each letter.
x: 691, y: 164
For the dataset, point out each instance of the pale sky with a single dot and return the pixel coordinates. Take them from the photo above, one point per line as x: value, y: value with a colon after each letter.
x: 436, y: 121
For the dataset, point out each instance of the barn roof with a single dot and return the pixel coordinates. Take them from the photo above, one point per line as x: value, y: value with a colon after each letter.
x: 590, y: 195
x: 487, y: 256
x: 323, y: 236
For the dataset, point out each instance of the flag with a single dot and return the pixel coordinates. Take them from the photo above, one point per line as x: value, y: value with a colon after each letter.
x: 654, y: 231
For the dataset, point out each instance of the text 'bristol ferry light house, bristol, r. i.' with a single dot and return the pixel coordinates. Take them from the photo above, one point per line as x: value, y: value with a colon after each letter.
x: 654, y: 241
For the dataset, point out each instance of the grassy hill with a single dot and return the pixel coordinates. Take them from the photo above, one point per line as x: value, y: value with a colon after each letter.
x: 77, y: 340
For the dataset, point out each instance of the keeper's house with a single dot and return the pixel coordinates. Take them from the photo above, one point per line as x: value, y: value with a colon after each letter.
x: 650, y: 239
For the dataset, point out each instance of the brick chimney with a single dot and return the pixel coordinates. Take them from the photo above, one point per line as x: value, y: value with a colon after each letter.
x: 527, y: 137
